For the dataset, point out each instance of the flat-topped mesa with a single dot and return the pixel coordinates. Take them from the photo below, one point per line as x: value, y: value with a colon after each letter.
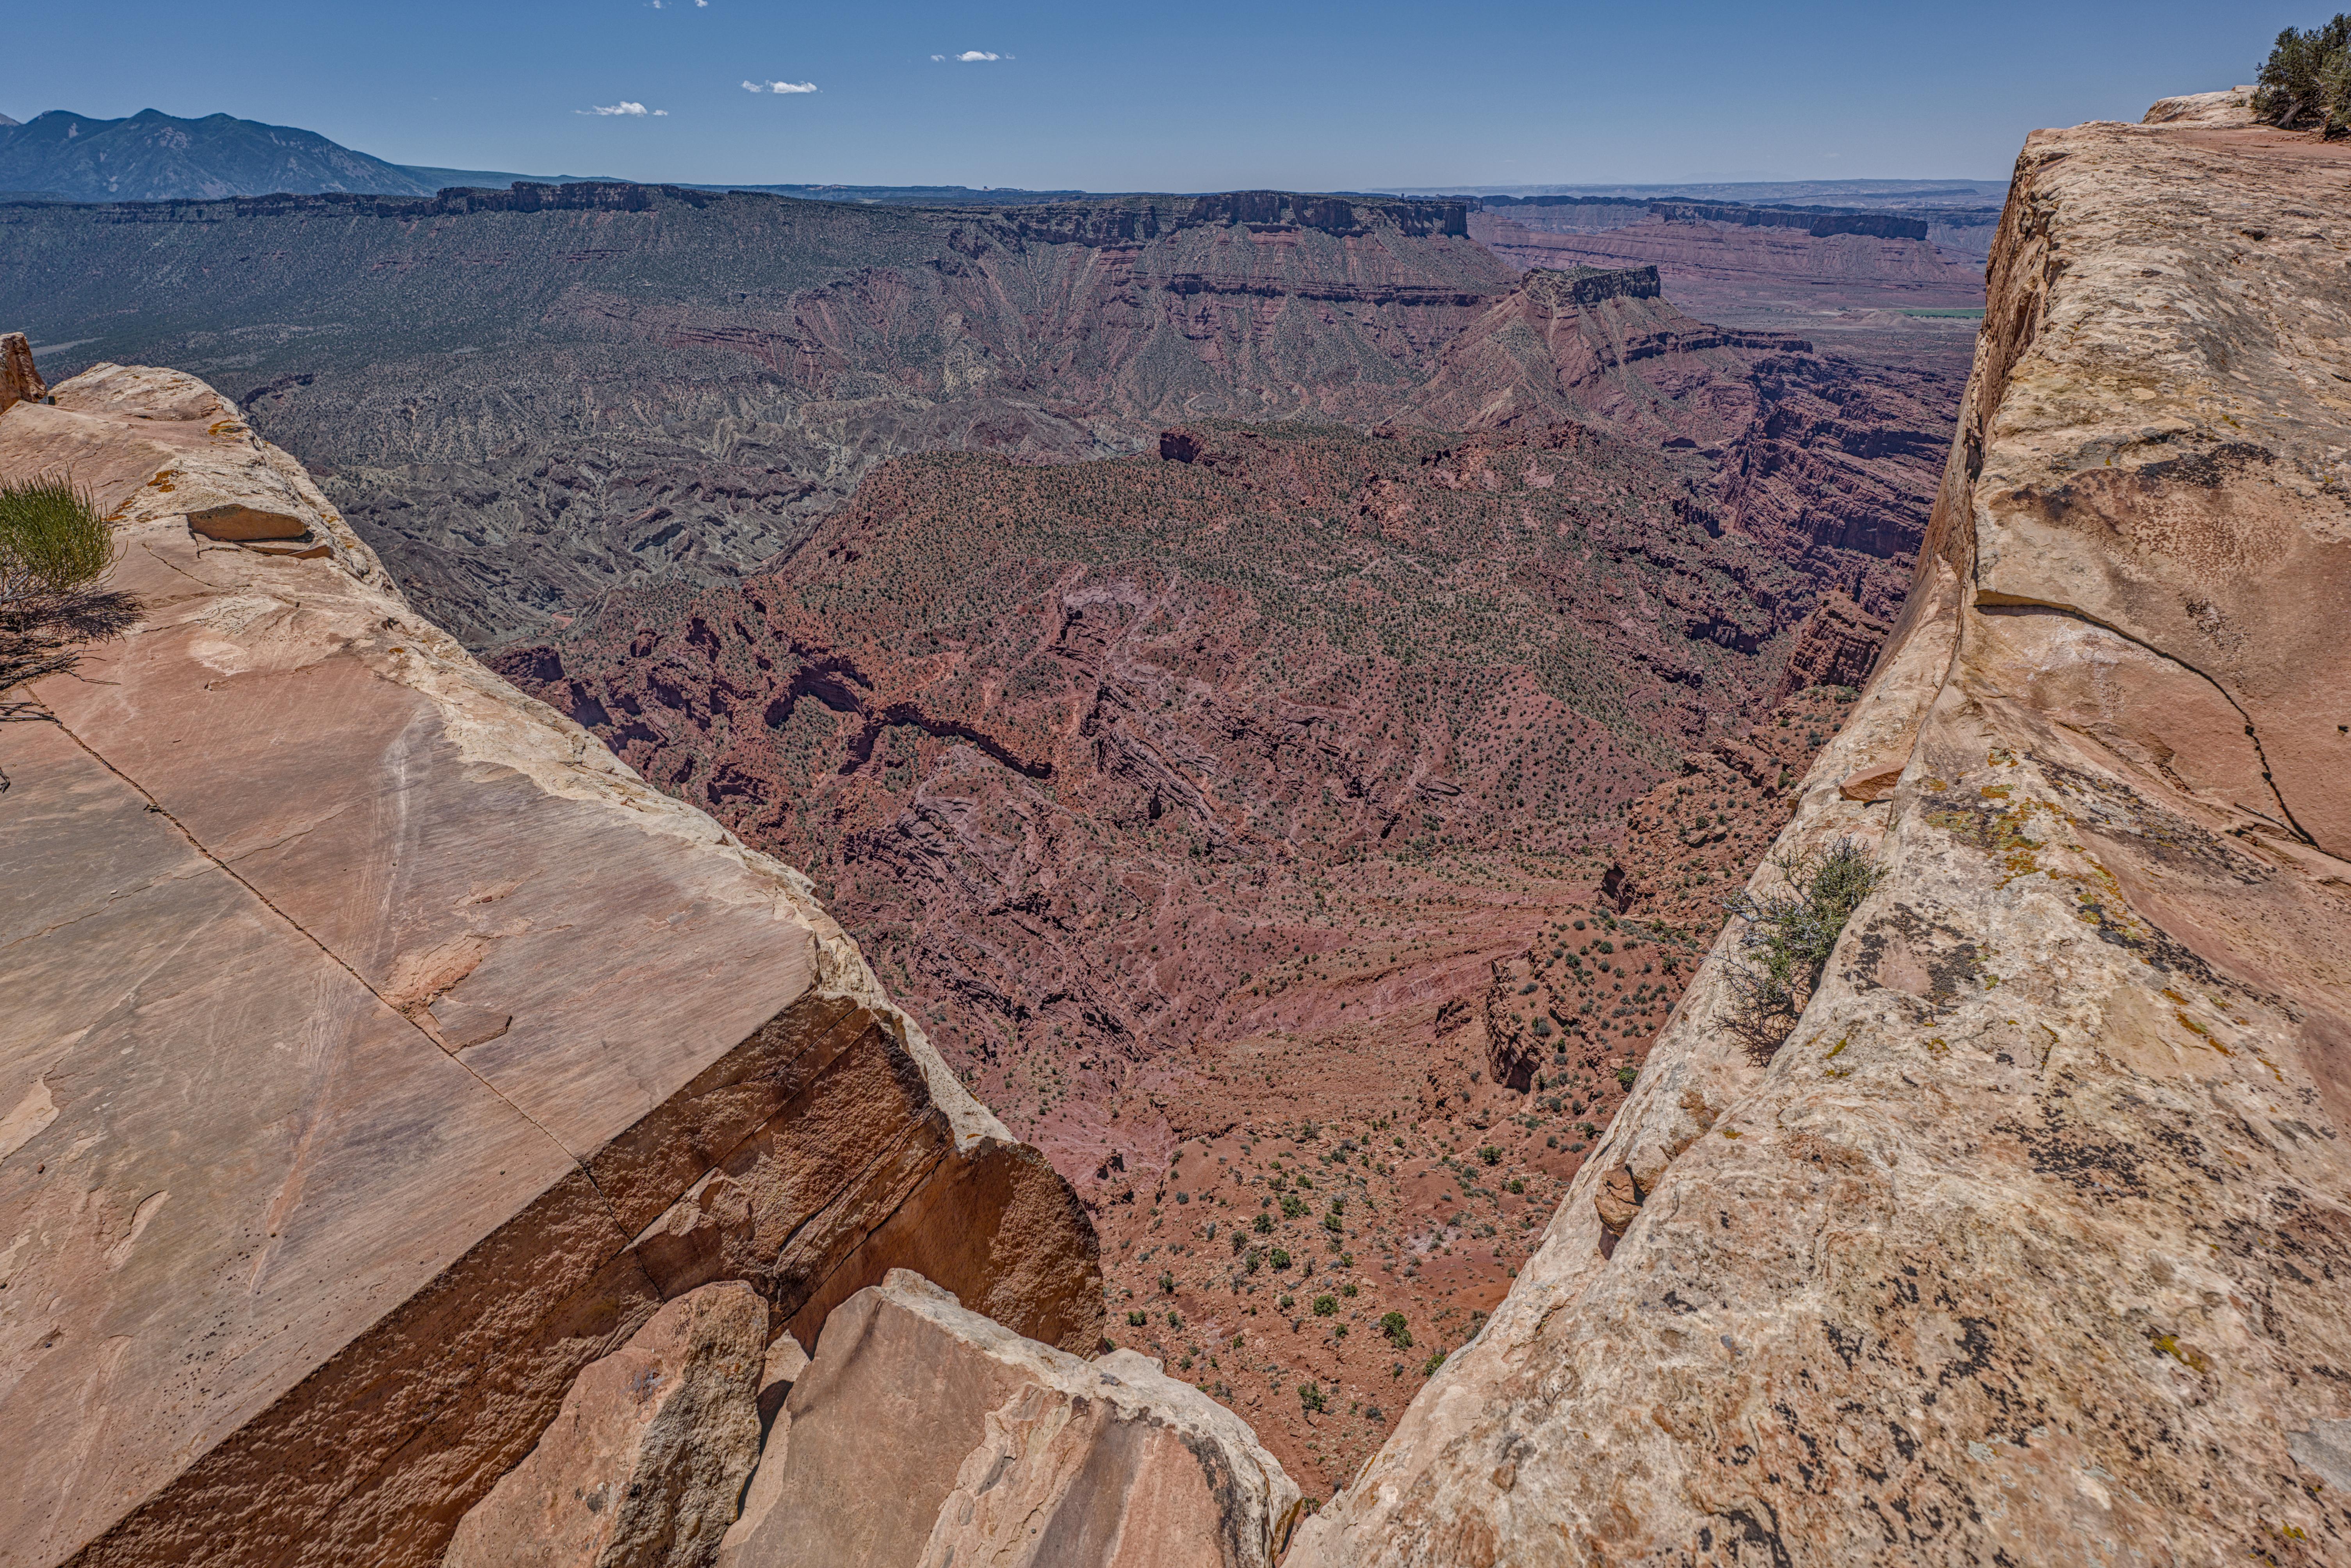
x: 2027, y: 1238
x: 1570, y: 287
x: 380, y: 1050
x: 1820, y: 226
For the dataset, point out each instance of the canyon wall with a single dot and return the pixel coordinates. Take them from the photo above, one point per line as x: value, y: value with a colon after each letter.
x: 525, y: 398
x: 2029, y: 1242
x: 380, y: 1050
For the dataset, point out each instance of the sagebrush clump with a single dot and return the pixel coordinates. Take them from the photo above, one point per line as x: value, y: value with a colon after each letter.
x: 55, y: 551
x: 2307, y: 80
x: 1790, y: 935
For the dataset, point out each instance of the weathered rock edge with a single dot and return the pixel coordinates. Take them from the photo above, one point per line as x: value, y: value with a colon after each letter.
x: 925, y: 1435
x: 2032, y: 1243
x: 382, y: 1050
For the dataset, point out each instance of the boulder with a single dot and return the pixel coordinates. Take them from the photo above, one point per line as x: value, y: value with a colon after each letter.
x: 925, y: 1434
x: 645, y: 1462
x: 2231, y: 109
x: 19, y: 380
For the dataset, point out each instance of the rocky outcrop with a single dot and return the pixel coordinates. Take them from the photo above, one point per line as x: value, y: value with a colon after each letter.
x: 1815, y: 459
x: 381, y: 1051
x: 2230, y: 110
x: 644, y: 1464
x: 1836, y: 646
x: 20, y: 382
x: 1591, y: 285
x: 923, y: 1433
x: 2029, y: 1241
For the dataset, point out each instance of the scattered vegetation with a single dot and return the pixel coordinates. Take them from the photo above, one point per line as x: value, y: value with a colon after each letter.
x: 2307, y: 80
x: 1788, y: 936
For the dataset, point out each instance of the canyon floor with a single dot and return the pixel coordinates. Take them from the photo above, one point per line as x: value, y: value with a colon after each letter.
x: 1211, y: 809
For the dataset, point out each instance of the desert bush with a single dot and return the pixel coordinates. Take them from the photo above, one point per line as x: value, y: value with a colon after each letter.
x: 55, y: 551
x: 1788, y: 936
x: 1393, y: 1325
x: 2306, y: 80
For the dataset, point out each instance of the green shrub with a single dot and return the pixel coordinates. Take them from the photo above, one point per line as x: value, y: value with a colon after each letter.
x: 1137, y: 1319
x: 52, y: 540
x: 1393, y: 1325
x: 1325, y: 1306
x: 2307, y: 80
x: 1280, y: 1258
x: 1491, y: 1155
x: 1788, y: 937
x: 1311, y: 1397
x: 55, y: 550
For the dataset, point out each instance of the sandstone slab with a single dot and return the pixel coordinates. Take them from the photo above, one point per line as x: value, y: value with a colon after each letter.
x: 367, y: 1013
x: 2029, y: 1243
x: 925, y: 1434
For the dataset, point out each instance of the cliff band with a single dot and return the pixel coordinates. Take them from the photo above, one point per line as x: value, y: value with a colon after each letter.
x: 2032, y: 1242
x: 379, y: 1051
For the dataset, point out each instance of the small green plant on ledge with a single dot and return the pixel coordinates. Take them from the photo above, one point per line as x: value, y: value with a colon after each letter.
x: 1788, y: 937
x: 54, y: 550
x: 2307, y: 80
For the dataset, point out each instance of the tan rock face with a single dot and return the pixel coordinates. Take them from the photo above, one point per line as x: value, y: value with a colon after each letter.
x: 371, y: 1030
x: 644, y: 1463
x: 19, y: 380
x: 2030, y: 1243
x: 923, y: 1433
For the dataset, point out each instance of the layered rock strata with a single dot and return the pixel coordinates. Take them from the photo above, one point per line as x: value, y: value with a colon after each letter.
x: 380, y: 1050
x: 2030, y: 1241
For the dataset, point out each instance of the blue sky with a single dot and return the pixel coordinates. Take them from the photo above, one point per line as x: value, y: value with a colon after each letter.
x: 1188, y: 97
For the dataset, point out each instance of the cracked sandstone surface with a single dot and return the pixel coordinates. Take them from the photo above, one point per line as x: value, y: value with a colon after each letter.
x: 2030, y: 1243
x: 380, y: 1050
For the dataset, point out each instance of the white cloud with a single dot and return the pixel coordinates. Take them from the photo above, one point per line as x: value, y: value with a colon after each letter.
x: 972, y: 55
x: 624, y: 106
x: 780, y: 87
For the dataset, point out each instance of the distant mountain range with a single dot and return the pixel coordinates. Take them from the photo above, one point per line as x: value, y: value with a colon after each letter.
x: 152, y: 157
